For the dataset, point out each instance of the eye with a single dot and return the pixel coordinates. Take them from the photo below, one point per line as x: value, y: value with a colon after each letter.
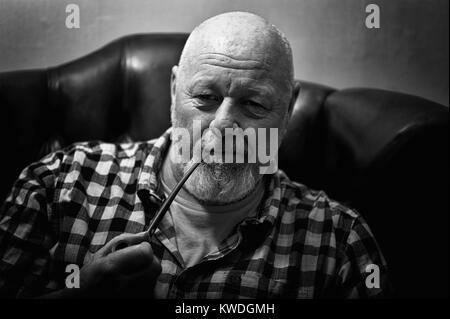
x: 254, y: 109
x: 207, y: 97
x: 253, y: 104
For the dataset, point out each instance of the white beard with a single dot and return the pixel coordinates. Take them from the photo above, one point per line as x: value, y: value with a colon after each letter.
x: 215, y: 182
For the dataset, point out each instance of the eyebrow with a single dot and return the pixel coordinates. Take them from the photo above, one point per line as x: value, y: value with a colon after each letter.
x: 265, y: 90
x: 202, y: 81
x: 267, y: 93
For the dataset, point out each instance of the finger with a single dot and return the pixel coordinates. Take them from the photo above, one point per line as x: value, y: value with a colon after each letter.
x: 125, y: 239
x: 131, y: 259
x: 129, y: 240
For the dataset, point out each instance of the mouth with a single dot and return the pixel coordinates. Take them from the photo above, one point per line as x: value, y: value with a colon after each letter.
x: 225, y: 157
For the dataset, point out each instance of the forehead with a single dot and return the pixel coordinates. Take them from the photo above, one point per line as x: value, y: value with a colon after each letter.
x: 234, y: 72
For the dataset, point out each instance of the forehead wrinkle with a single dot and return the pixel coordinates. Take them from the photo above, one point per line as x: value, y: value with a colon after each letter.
x: 248, y: 78
x: 228, y: 61
x: 239, y: 66
x: 206, y: 73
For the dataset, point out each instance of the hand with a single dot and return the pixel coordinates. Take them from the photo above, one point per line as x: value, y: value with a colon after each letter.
x: 127, y: 273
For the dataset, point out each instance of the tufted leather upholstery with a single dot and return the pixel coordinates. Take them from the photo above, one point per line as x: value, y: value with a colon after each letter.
x: 384, y: 153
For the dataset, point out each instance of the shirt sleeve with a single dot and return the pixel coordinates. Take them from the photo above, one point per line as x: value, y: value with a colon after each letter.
x: 25, y: 230
x: 363, y: 271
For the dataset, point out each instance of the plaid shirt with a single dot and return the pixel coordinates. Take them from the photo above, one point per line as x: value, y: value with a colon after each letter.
x: 65, y: 207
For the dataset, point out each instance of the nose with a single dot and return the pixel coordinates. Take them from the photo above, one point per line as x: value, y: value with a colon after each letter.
x: 226, y: 115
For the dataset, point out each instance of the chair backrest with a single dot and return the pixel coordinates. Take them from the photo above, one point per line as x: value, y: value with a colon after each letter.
x: 383, y: 153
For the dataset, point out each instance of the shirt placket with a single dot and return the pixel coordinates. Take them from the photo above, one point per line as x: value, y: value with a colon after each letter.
x: 182, y: 278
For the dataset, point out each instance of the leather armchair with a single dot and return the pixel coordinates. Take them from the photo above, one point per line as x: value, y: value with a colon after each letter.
x: 383, y: 153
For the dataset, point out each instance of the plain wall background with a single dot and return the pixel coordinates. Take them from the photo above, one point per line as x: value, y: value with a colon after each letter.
x: 331, y: 44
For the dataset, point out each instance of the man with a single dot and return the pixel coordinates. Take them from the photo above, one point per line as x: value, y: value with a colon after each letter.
x: 231, y: 232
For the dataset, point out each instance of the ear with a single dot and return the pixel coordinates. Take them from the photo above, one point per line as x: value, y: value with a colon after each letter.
x: 294, y: 96
x: 173, y: 84
x: 295, y: 93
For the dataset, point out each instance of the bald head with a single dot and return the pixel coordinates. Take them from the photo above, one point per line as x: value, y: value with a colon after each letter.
x: 240, y: 36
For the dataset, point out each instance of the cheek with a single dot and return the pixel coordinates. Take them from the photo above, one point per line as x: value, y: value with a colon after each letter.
x: 275, y: 121
x: 184, y: 112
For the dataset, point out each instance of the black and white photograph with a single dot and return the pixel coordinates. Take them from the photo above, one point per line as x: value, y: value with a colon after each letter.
x: 206, y: 152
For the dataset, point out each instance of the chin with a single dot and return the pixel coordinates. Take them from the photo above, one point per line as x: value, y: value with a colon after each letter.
x: 221, y: 184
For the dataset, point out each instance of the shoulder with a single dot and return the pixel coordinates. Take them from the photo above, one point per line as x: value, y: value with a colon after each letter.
x: 96, y: 155
x: 322, y: 226
x: 101, y: 151
x: 316, y: 207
